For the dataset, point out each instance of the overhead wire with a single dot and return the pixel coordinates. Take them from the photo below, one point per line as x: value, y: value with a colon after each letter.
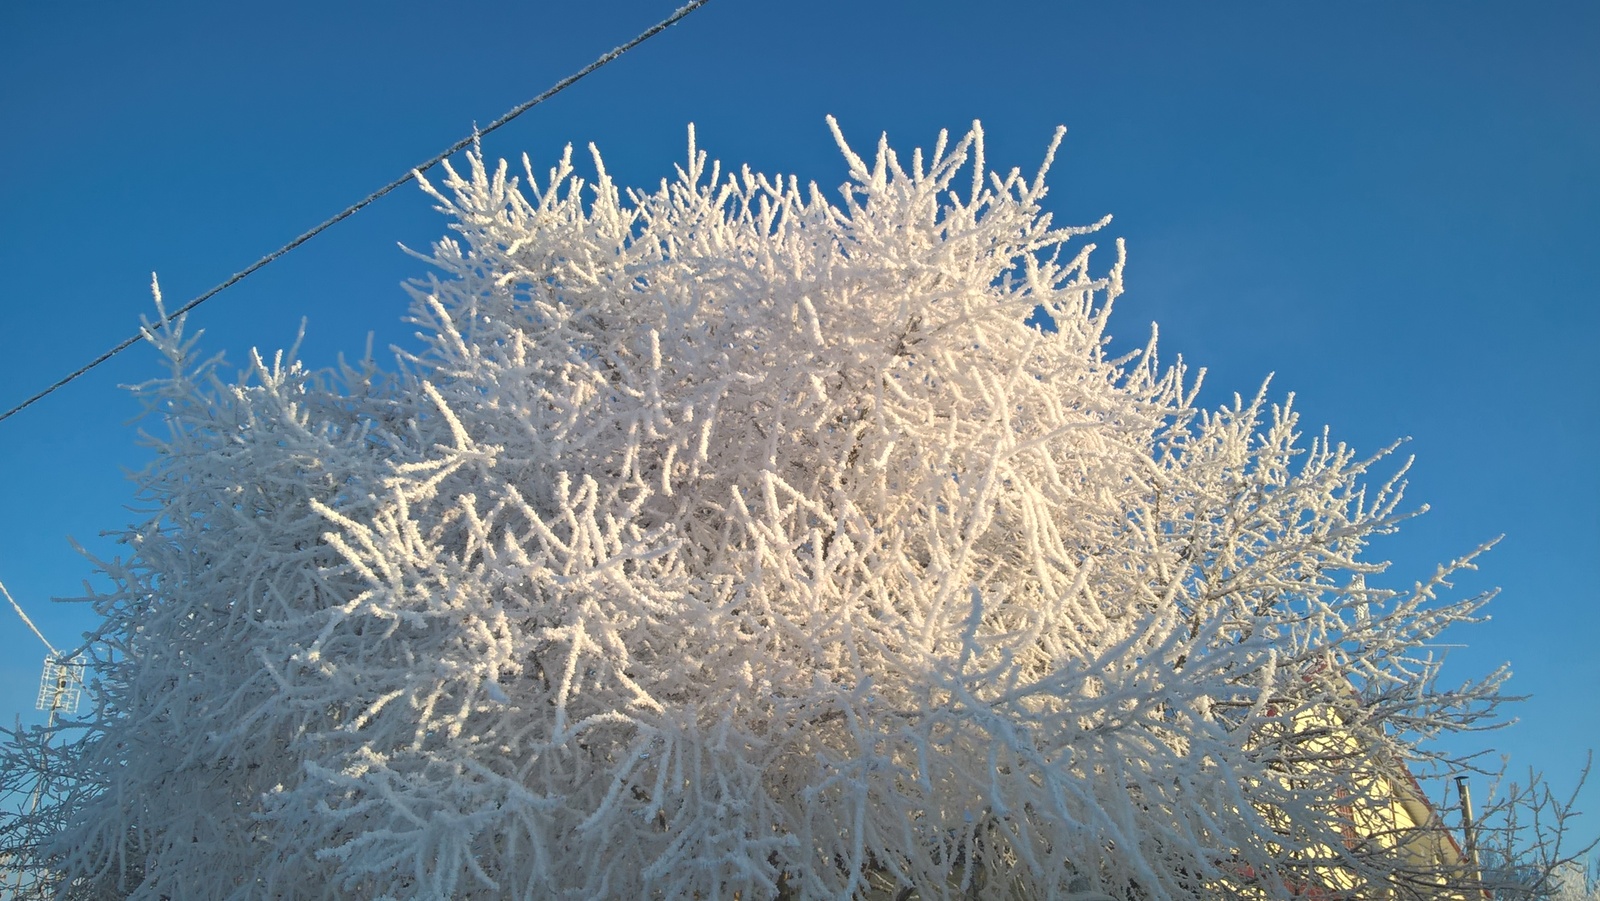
x: 18, y: 607
x: 411, y: 174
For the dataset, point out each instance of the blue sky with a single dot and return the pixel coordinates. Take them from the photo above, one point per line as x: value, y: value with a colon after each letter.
x: 1392, y: 206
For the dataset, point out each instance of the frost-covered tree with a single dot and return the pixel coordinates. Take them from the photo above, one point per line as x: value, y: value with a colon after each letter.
x: 1519, y: 846
x: 1576, y: 882
x: 729, y: 540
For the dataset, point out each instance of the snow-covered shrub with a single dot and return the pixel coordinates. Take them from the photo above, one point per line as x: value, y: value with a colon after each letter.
x: 728, y: 540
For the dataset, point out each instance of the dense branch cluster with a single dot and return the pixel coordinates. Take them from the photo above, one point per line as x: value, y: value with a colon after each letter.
x: 726, y: 541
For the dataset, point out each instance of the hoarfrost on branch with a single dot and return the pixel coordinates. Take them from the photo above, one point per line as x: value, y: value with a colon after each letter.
x: 732, y: 538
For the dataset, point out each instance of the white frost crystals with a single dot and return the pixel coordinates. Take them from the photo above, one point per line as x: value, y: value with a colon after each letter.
x: 723, y: 539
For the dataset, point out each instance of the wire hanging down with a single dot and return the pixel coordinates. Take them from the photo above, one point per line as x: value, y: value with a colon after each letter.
x: 239, y: 276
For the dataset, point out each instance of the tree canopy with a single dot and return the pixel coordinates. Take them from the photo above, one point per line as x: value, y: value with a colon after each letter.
x: 739, y: 539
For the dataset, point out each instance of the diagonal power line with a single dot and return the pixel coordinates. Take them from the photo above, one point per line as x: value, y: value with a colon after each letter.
x: 18, y: 607
x: 348, y: 211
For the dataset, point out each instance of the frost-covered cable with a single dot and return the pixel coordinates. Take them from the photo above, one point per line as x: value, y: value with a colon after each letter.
x: 18, y: 607
x: 348, y: 211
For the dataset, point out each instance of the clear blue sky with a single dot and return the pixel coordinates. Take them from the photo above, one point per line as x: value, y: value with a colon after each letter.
x: 1395, y: 207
